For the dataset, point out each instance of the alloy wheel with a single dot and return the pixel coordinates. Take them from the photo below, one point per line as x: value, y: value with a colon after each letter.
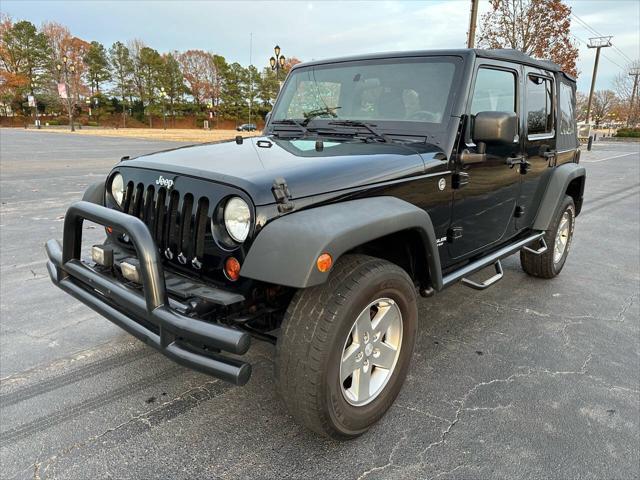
x: 371, y: 352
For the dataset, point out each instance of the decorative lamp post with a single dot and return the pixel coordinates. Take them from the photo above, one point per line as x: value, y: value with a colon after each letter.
x: 65, y: 68
x: 277, y: 62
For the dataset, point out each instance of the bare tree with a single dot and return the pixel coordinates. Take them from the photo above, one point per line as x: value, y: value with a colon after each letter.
x: 623, y: 86
x: 604, y: 101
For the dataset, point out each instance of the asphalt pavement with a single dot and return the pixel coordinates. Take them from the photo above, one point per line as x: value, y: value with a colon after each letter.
x: 529, y: 379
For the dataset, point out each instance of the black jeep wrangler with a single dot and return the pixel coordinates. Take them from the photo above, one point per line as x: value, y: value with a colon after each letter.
x: 377, y: 178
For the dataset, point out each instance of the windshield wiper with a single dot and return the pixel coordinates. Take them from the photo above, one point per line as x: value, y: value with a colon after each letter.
x: 371, y: 128
x: 295, y: 123
x: 308, y: 116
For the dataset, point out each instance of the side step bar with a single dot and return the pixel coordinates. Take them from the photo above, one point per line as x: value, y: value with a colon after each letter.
x: 491, y: 259
x: 487, y: 283
x: 543, y: 248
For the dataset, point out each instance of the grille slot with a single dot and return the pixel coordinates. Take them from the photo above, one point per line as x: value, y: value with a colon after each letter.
x: 178, y: 223
x: 202, y: 218
x: 173, y: 226
x: 161, y: 214
x: 185, y: 237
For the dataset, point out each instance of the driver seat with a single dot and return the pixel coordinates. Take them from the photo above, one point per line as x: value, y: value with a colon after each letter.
x: 391, y: 105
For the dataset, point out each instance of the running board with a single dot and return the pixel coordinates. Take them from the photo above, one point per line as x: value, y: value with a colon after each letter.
x: 491, y: 259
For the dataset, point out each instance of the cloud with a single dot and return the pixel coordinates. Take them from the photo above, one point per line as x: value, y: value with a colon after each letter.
x: 315, y: 30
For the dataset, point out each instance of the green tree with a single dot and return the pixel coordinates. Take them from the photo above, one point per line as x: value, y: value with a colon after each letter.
x: 122, y: 67
x: 171, y: 80
x: 24, y: 56
x: 235, y: 92
x: 267, y: 90
x: 98, y: 68
x: 147, y: 64
x: 253, y: 80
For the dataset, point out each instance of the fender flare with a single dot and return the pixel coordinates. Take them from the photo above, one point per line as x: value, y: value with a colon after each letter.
x: 95, y: 193
x: 285, y: 251
x: 555, y: 192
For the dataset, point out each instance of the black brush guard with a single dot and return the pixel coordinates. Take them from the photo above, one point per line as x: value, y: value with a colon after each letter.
x: 129, y: 309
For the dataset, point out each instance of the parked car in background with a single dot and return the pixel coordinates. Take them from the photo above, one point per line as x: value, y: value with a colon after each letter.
x: 247, y: 127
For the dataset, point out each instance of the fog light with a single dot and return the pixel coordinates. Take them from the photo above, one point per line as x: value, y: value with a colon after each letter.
x: 102, y: 255
x: 130, y: 270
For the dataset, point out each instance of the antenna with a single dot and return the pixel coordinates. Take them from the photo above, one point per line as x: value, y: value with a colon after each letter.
x: 250, y: 76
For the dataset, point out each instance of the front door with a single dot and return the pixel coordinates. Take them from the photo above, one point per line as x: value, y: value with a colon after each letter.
x: 539, y: 142
x: 483, y: 209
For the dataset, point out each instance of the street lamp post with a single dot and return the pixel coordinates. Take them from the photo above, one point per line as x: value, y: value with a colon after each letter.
x: 36, y: 119
x: 163, y: 95
x: 277, y: 62
x: 65, y: 68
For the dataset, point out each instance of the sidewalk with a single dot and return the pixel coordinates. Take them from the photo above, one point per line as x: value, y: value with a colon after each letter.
x: 174, y: 135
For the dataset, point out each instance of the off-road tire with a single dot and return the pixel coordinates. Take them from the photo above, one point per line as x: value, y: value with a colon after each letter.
x: 312, y: 338
x: 543, y: 265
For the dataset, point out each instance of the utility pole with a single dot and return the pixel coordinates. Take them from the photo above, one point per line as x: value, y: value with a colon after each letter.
x: 472, y: 24
x: 598, y: 43
x: 634, y: 73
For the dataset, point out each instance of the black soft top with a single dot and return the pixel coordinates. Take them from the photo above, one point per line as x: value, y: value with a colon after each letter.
x: 505, y: 54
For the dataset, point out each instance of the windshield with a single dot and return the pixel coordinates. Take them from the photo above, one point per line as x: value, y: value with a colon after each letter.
x: 417, y: 90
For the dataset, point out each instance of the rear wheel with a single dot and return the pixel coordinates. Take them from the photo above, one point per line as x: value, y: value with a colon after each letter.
x: 558, y: 240
x: 345, y: 346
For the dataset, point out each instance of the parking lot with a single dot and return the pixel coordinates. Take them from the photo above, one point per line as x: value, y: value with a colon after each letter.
x: 529, y: 379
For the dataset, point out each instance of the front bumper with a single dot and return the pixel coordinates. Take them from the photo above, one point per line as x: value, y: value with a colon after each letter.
x: 188, y: 341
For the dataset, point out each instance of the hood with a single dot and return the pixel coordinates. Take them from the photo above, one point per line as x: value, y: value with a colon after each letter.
x: 254, y: 165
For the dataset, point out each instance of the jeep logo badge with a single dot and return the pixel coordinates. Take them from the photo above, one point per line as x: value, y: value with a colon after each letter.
x: 164, y: 182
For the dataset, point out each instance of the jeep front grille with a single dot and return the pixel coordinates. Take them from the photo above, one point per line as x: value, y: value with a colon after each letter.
x: 177, y: 223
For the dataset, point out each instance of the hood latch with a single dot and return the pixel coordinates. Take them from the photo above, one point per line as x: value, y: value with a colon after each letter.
x: 282, y: 195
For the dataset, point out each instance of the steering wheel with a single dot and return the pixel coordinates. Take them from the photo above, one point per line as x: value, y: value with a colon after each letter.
x: 424, y: 115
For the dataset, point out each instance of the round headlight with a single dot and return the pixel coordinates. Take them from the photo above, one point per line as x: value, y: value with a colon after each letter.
x: 237, y: 219
x: 117, y: 188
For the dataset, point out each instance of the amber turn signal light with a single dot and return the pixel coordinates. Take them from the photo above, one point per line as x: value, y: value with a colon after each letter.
x: 109, y: 230
x: 324, y: 262
x: 232, y: 269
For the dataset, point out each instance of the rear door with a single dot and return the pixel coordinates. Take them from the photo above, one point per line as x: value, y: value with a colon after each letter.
x: 539, y: 142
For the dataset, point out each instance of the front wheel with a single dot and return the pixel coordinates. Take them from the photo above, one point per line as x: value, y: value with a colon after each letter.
x: 345, y: 346
x: 558, y: 239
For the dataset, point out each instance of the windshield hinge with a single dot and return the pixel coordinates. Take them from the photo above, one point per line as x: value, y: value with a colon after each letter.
x: 282, y: 195
x: 459, y: 180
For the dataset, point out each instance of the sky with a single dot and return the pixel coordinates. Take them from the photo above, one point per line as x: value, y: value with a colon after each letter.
x: 320, y: 29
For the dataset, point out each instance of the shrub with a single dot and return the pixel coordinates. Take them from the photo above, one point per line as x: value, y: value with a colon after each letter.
x: 628, y: 132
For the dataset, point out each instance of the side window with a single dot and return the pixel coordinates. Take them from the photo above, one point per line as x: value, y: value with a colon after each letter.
x: 539, y: 105
x: 567, y: 110
x: 495, y: 91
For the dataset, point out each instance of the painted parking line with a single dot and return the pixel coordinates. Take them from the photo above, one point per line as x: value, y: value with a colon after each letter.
x: 610, y: 158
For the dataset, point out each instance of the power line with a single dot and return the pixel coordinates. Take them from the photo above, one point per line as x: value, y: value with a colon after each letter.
x: 595, y: 32
x: 586, y: 25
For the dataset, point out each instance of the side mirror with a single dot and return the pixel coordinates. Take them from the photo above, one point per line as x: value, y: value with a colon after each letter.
x: 495, y: 127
